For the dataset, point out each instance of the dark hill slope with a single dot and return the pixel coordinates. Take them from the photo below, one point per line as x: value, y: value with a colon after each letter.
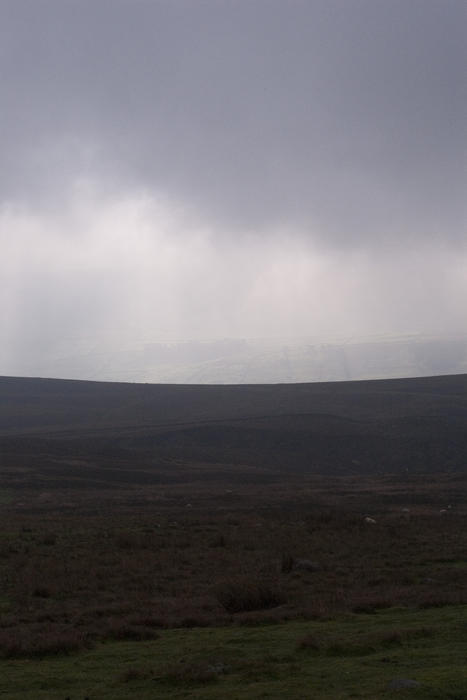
x: 91, y: 431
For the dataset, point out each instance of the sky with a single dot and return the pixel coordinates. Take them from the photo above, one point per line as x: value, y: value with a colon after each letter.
x: 201, y: 169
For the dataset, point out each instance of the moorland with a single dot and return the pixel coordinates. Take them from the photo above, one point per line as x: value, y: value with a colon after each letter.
x: 233, y: 541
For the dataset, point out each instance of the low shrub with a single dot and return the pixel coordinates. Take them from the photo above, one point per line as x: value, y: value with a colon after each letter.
x: 120, y: 629
x: 218, y: 541
x: 287, y: 563
x: 135, y: 674
x: 42, y: 592
x: 244, y: 595
x: 50, y: 642
x: 184, y: 672
x: 309, y: 641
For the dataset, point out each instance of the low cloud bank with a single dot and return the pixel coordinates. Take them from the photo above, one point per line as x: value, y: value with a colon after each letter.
x: 124, y: 268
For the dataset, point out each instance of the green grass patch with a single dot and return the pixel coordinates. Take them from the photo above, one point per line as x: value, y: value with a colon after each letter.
x: 5, y: 604
x: 355, y: 656
x: 7, y: 496
x: 462, y: 564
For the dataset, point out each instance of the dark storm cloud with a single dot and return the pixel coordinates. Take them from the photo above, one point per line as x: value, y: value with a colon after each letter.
x: 344, y: 120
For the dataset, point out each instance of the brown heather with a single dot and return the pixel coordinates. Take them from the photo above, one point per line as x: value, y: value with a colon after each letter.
x: 122, y: 563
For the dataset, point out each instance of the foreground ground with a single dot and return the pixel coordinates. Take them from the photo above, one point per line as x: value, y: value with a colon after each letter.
x: 389, y: 654
x: 124, y: 563
x: 180, y: 542
x: 211, y: 589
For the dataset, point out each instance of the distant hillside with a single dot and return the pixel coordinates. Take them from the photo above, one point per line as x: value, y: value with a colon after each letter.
x: 54, y: 431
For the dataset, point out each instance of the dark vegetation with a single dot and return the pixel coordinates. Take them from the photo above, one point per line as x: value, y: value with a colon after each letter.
x: 90, y: 434
x: 78, y: 567
x: 129, y: 509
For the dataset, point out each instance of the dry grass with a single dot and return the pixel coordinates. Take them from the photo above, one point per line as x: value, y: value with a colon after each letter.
x: 122, y: 564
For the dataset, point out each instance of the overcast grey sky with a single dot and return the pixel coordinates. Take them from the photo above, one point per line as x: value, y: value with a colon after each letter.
x: 231, y: 168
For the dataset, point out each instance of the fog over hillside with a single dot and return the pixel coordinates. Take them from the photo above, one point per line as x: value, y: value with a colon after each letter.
x: 240, y: 361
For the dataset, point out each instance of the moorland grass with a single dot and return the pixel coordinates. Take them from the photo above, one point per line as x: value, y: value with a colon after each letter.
x: 352, y: 656
x: 125, y: 564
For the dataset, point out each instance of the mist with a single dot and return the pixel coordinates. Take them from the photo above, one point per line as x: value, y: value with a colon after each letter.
x: 201, y: 171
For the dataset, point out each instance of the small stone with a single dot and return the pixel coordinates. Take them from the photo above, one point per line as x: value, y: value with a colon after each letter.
x: 402, y: 684
x: 305, y: 565
x: 218, y: 668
